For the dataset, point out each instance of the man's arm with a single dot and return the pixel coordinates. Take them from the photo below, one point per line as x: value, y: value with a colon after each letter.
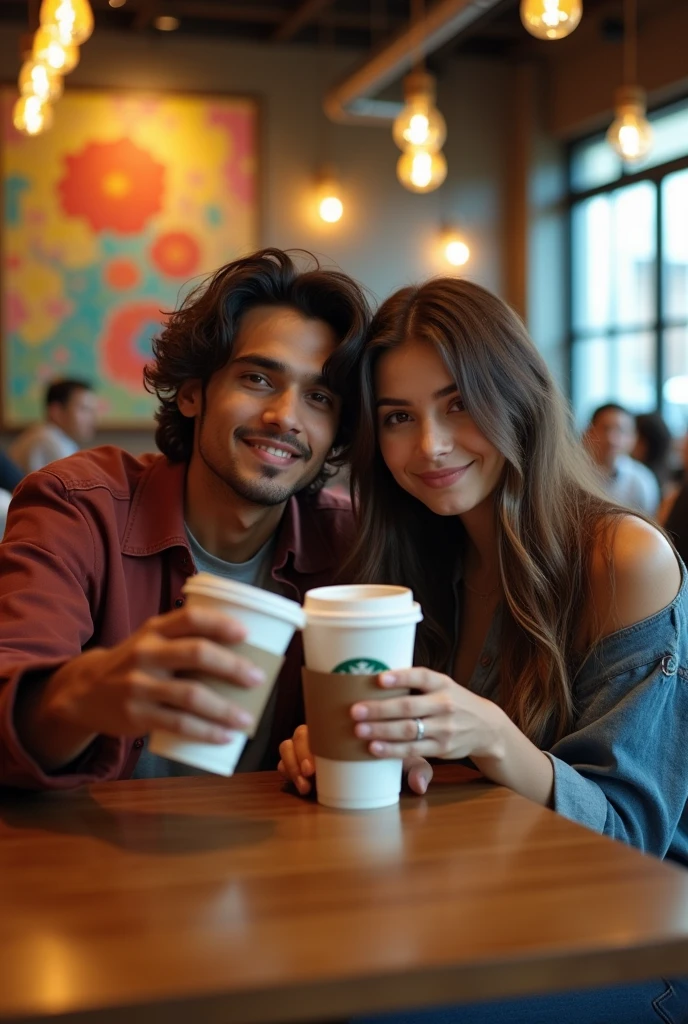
x: 55, y: 701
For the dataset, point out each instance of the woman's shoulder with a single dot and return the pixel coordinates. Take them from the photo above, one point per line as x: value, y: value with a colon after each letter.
x: 634, y: 573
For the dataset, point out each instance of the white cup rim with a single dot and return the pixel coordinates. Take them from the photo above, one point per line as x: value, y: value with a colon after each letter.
x: 243, y: 595
x: 358, y: 620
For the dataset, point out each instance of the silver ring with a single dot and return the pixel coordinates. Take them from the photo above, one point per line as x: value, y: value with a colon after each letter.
x: 420, y: 728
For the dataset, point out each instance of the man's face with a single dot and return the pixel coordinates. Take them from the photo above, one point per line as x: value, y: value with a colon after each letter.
x: 78, y: 417
x: 612, y: 434
x: 267, y: 422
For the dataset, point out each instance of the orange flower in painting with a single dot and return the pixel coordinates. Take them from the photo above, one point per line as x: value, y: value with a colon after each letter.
x: 121, y: 274
x: 116, y: 186
x: 176, y: 254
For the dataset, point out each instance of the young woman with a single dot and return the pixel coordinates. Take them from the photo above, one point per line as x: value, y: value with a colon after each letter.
x: 554, y: 646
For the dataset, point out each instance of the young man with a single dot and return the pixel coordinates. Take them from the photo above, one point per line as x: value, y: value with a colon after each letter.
x: 92, y: 625
x: 71, y: 410
x: 610, y: 439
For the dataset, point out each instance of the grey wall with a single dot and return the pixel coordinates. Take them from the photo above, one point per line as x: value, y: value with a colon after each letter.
x: 388, y: 236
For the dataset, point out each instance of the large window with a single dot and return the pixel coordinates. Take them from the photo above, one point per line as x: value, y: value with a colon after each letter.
x: 629, y: 282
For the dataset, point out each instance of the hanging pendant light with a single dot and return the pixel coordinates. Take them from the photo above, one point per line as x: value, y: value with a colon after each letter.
x: 72, y: 20
x: 40, y: 80
x: 31, y: 116
x: 551, y: 19
x: 420, y: 123
x: 420, y: 170
x: 630, y: 133
x: 330, y: 205
x: 49, y: 49
x: 420, y: 130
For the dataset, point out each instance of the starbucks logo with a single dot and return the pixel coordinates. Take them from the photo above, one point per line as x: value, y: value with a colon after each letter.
x: 361, y: 667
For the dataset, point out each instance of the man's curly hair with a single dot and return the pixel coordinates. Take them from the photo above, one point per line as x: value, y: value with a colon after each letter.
x: 198, y: 338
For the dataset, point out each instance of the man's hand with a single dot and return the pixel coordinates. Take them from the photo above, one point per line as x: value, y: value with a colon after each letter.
x: 131, y: 689
x: 297, y: 764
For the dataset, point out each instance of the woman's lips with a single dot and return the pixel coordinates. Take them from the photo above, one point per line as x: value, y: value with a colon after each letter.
x: 444, y: 477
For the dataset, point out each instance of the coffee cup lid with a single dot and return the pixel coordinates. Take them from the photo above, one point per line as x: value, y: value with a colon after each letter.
x: 367, y: 600
x: 205, y: 584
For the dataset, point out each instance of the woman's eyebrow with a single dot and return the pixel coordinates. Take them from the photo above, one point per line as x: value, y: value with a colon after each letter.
x: 450, y: 389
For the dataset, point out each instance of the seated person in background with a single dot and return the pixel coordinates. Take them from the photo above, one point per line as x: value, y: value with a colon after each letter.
x: 10, y: 473
x: 610, y: 439
x: 553, y: 651
x: 71, y: 418
x: 97, y: 547
x: 653, y: 447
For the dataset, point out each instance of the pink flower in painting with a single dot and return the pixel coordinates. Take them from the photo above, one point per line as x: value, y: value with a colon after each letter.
x: 176, y: 254
x: 16, y: 312
x: 238, y: 170
x: 115, y: 186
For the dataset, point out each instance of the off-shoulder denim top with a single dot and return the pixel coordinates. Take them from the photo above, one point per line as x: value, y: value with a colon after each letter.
x: 623, y: 771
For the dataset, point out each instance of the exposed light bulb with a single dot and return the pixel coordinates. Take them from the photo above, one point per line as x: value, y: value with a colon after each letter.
x: 630, y: 133
x: 331, y: 209
x: 330, y: 205
x: 40, y: 80
x: 551, y: 19
x: 117, y: 3
x: 456, y: 251
x: 72, y: 19
x: 50, y: 50
x: 420, y: 170
x: 420, y: 123
x: 31, y: 116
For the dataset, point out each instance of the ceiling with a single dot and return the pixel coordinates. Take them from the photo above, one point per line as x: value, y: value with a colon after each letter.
x: 363, y: 24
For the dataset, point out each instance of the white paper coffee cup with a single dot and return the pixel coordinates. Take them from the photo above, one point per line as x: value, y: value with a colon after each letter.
x: 270, y: 621
x: 360, y: 630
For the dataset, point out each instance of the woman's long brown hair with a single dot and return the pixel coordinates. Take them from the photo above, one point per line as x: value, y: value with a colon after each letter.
x: 548, y: 504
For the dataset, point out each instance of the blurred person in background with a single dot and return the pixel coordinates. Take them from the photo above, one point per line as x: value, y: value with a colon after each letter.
x: 653, y: 447
x: 679, y: 479
x: 10, y: 475
x: 610, y: 439
x: 70, y: 424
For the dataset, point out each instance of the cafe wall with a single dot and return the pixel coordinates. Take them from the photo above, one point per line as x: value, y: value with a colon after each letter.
x: 388, y: 236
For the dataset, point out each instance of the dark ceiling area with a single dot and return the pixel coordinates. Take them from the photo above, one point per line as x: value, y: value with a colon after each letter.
x: 364, y: 24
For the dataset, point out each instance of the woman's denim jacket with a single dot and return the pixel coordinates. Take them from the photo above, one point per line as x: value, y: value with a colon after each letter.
x: 623, y: 771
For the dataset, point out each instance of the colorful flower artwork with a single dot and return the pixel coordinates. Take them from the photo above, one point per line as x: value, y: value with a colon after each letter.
x: 108, y: 217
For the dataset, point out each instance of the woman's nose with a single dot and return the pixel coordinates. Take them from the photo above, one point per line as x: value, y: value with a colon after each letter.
x: 434, y: 442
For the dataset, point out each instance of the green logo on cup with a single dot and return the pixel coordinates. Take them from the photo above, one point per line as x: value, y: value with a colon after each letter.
x: 361, y: 667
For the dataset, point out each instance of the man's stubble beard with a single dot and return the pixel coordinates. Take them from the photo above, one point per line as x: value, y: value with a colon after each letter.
x: 265, y: 492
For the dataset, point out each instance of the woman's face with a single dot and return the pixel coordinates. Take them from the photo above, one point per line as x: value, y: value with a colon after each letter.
x: 430, y: 444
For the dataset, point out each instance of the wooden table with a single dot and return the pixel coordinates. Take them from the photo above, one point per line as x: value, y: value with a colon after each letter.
x: 205, y: 900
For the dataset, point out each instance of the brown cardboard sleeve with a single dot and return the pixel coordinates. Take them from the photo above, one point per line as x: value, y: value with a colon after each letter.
x: 328, y: 697
x: 252, y: 699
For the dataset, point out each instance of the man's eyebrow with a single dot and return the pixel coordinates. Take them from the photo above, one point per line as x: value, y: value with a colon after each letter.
x: 265, y: 363
x: 450, y: 389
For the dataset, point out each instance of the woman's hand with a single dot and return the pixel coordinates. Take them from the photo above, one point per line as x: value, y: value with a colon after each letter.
x: 443, y: 720
x: 298, y: 765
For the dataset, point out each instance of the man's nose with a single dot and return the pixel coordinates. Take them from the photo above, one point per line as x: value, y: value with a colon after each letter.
x: 283, y: 411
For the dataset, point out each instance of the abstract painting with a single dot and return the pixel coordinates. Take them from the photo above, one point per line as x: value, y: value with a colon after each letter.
x: 108, y: 219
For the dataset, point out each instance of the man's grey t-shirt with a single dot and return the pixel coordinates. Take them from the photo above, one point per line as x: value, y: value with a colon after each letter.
x: 257, y: 572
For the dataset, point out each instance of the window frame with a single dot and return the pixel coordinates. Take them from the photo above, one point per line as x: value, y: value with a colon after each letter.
x: 660, y: 323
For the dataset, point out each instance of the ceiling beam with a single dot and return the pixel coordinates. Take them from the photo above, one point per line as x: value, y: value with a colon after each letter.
x: 306, y: 11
